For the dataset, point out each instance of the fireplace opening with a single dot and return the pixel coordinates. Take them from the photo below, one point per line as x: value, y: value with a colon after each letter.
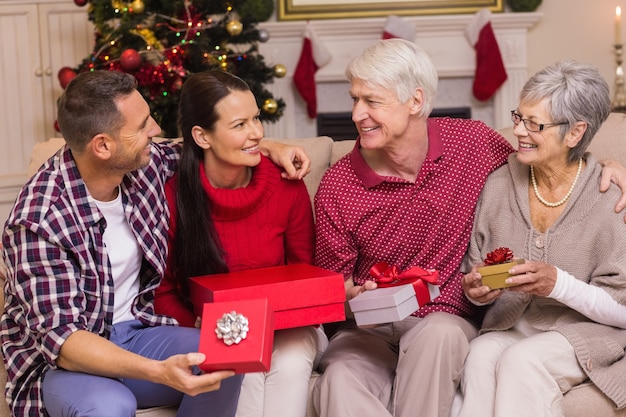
x: 339, y: 126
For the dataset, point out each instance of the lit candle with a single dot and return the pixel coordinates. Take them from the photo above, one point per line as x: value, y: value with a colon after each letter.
x: 618, y: 25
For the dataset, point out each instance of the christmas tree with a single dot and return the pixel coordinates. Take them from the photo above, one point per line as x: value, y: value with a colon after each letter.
x: 162, y: 42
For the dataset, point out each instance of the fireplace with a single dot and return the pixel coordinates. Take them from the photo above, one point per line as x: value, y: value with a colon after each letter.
x: 441, y: 36
x: 339, y: 126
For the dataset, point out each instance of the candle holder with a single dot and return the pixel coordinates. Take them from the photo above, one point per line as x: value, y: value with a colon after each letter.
x: 619, y: 100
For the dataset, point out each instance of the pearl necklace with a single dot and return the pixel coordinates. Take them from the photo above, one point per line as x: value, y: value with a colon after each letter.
x: 564, y: 199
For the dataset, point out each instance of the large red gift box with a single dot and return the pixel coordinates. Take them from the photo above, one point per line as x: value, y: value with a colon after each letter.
x: 237, y: 335
x: 299, y: 294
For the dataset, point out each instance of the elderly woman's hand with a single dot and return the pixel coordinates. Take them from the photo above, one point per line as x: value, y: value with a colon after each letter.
x: 536, y: 278
x: 474, y: 289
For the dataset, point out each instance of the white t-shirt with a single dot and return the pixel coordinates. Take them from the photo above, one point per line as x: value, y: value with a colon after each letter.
x: 124, y: 255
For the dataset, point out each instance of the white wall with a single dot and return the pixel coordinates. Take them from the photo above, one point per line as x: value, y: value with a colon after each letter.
x: 576, y: 29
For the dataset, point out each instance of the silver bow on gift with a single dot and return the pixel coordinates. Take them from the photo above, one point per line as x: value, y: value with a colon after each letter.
x: 232, y: 328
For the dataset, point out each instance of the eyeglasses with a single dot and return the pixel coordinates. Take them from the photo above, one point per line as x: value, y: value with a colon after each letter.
x: 531, y: 126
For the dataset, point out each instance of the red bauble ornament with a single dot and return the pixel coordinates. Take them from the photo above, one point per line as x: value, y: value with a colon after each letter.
x: 177, y: 84
x: 80, y: 2
x: 56, y: 126
x: 66, y: 74
x: 130, y: 60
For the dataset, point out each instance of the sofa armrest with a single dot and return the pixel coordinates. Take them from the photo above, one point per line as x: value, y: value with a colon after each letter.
x: 341, y: 148
x: 42, y: 151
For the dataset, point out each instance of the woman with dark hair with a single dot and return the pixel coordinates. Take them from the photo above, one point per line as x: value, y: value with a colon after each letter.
x: 230, y: 210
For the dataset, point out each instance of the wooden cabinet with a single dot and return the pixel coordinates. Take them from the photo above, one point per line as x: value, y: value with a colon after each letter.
x: 36, y: 40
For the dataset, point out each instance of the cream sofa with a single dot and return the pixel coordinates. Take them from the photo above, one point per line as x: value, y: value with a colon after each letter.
x: 582, y: 401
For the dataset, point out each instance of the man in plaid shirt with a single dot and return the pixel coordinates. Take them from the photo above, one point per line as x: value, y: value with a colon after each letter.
x: 85, y: 247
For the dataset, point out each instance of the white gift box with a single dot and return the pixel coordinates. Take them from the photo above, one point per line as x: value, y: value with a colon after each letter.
x: 384, y: 305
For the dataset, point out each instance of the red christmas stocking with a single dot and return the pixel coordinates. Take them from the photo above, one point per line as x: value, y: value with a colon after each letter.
x: 314, y: 55
x: 490, y: 72
x: 397, y: 27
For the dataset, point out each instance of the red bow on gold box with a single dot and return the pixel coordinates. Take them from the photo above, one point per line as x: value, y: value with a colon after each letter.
x: 496, y: 269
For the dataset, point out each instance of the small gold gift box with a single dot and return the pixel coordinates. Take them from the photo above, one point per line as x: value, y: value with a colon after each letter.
x: 494, y: 275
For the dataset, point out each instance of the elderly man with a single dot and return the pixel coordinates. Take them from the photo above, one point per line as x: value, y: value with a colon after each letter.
x: 405, y: 195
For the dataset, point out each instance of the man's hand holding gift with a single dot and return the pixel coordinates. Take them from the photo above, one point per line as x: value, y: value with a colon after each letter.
x: 424, y: 281
x: 384, y: 275
x: 352, y: 290
x: 397, y: 294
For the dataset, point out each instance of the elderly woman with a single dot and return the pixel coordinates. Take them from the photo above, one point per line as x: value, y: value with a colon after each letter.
x: 562, y: 320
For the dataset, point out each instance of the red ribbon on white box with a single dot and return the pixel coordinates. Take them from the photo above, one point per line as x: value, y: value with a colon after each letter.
x: 387, y: 275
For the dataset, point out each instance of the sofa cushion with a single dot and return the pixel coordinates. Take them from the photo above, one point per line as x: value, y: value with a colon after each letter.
x: 319, y: 151
x: 42, y: 151
x: 340, y: 149
x: 167, y: 411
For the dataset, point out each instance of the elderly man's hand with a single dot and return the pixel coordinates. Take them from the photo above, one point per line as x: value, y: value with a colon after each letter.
x: 353, y: 290
x: 293, y: 159
x: 614, y: 172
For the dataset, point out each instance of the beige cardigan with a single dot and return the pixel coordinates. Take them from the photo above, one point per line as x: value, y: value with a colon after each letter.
x: 588, y: 240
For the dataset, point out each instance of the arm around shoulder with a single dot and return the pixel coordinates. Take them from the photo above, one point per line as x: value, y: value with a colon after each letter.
x: 293, y: 159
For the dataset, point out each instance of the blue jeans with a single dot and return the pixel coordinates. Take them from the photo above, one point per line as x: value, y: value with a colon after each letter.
x: 75, y: 394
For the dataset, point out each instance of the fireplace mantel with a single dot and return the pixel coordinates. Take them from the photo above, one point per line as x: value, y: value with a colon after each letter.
x: 442, y: 37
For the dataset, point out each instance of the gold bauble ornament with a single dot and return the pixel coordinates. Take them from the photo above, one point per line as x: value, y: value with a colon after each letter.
x: 138, y: 6
x: 234, y: 27
x: 270, y: 106
x: 117, y: 4
x: 280, y: 70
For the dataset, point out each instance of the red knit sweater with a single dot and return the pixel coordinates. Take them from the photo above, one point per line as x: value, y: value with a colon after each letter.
x: 267, y: 223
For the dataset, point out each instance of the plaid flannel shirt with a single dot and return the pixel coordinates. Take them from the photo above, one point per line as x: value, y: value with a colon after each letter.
x: 59, y: 276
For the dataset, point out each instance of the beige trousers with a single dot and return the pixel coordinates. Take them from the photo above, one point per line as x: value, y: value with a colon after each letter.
x: 283, y: 391
x: 511, y: 374
x: 405, y: 369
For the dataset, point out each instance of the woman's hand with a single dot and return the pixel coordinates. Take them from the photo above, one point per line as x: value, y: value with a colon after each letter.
x: 474, y: 289
x: 536, y: 278
x: 293, y: 159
